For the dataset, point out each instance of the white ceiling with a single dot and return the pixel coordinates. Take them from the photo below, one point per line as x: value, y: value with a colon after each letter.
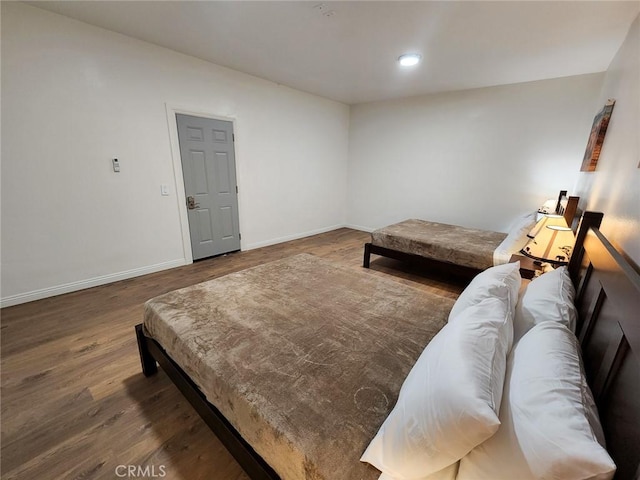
x: 347, y: 51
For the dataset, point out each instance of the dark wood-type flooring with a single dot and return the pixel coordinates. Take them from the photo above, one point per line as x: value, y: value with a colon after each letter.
x: 75, y: 404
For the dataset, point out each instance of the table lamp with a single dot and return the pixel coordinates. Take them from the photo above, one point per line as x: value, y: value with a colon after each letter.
x: 551, y: 240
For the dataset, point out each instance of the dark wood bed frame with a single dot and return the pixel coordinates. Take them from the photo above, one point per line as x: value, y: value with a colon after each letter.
x: 442, y: 267
x: 608, y: 302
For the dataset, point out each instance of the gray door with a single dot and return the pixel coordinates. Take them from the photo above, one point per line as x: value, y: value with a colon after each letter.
x: 209, y: 171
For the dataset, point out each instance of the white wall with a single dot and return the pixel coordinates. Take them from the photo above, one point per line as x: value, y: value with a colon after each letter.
x: 475, y: 158
x: 614, y: 188
x: 75, y: 96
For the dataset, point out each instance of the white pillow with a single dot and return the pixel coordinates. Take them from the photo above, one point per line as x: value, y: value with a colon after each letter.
x: 547, y: 298
x: 516, y: 239
x: 549, y: 206
x: 448, y: 403
x: 550, y: 427
x: 502, y: 281
x: 447, y: 473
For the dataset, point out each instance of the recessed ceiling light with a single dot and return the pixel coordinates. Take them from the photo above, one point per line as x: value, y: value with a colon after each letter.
x: 409, y: 59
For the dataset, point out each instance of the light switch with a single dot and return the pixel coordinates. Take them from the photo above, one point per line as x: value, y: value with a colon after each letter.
x: 116, y: 165
x: 164, y: 190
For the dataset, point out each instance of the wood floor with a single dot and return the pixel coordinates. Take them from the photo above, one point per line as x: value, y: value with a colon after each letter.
x: 75, y: 404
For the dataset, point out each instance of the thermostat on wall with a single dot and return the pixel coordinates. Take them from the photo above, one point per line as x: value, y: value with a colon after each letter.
x: 116, y: 165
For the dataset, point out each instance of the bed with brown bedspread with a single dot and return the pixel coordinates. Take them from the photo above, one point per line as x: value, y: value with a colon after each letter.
x: 327, y: 435
x: 450, y: 248
x: 304, y: 358
x: 468, y: 247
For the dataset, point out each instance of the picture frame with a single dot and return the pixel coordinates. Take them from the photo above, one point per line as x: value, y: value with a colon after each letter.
x: 596, y: 138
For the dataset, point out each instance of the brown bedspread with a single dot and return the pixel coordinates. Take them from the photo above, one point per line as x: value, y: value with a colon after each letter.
x: 468, y: 247
x: 305, y: 358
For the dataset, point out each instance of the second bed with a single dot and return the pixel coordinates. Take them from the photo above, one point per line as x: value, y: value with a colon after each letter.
x: 455, y: 249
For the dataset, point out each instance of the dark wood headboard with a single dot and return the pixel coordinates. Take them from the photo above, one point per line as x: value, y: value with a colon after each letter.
x: 561, y: 195
x: 568, y: 209
x: 608, y: 302
x: 569, y: 212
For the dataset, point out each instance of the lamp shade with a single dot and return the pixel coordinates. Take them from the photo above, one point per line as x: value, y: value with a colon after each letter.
x: 551, y: 241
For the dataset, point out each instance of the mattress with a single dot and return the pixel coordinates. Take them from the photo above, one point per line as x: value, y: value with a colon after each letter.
x: 468, y: 247
x: 305, y: 358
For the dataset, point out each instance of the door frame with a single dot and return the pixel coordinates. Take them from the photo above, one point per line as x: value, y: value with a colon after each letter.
x: 178, y: 186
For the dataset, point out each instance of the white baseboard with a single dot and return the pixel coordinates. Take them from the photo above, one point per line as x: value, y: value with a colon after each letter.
x: 361, y: 228
x: 136, y: 272
x: 91, y: 282
x: 291, y: 237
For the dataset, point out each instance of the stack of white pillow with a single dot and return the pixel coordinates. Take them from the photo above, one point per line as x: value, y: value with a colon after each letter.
x: 516, y: 239
x: 474, y: 408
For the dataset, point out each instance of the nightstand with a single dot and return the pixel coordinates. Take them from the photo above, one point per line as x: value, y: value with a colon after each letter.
x: 528, y: 269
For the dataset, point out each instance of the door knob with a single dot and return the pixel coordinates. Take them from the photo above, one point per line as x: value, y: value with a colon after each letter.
x: 191, y: 203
